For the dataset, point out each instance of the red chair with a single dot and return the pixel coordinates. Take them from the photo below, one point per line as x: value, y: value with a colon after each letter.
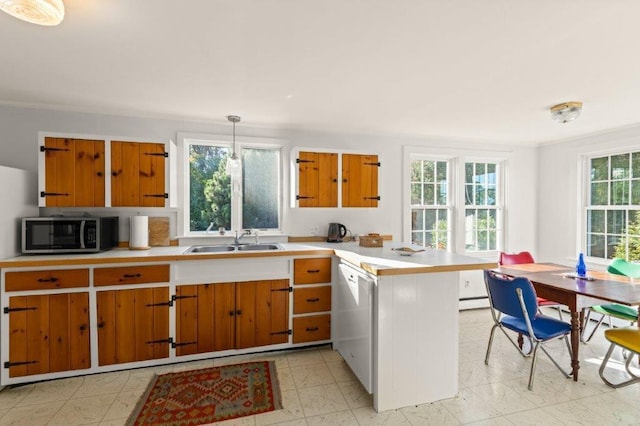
x: 525, y: 257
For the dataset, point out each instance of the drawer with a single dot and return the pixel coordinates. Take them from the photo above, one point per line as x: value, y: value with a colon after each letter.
x: 46, y: 280
x: 312, y: 299
x: 312, y: 271
x: 131, y: 275
x: 311, y: 329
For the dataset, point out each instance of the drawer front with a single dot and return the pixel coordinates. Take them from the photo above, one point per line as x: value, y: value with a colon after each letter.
x: 46, y: 280
x: 131, y: 275
x: 311, y: 329
x: 312, y: 271
x: 312, y: 299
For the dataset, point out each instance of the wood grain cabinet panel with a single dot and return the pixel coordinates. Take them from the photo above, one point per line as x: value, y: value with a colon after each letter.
x: 312, y: 299
x: 312, y: 271
x: 317, y: 179
x: 46, y: 280
x: 139, y: 274
x: 360, y: 180
x: 133, y: 325
x: 74, y: 172
x: 138, y: 174
x: 311, y: 328
x: 48, y: 333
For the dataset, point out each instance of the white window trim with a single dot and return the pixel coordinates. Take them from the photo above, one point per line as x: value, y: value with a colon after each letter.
x: 225, y: 140
x: 457, y: 157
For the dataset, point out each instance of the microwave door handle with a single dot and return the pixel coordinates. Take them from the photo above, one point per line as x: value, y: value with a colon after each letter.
x: 82, y: 224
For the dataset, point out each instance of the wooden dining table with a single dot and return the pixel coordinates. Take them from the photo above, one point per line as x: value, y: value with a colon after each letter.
x: 553, y: 282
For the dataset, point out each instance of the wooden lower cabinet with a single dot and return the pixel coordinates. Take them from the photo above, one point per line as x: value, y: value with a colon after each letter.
x: 222, y: 316
x: 48, y: 333
x: 133, y: 325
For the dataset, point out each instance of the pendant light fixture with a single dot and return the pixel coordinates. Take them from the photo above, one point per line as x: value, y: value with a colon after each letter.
x: 41, y: 12
x: 233, y: 167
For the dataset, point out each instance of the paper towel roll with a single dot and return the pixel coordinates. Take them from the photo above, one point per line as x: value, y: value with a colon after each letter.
x: 139, y: 232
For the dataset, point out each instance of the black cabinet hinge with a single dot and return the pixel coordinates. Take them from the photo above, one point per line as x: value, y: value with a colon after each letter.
x: 158, y: 154
x: 304, y: 161
x: 8, y: 364
x: 303, y: 197
x: 372, y: 198
x: 176, y: 344
x: 287, y: 289
x: 53, y: 194
x: 176, y: 297
x: 372, y: 164
x: 165, y: 195
x: 46, y: 148
x: 289, y: 332
x: 7, y: 310
x: 151, y: 305
x: 168, y: 340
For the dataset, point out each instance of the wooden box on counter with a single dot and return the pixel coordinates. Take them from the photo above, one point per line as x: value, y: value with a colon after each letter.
x: 371, y: 240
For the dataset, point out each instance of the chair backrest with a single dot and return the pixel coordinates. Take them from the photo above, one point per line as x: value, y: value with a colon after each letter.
x: 622, y: 267
x: 504, y: 298
x: 515, y: 258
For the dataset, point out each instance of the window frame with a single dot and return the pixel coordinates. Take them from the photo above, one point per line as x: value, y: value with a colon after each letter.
x: 242, y: 142
x: 457, y: 157
x: 585, y: 205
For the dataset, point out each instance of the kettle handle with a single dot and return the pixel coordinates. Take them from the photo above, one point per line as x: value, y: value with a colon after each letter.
x: 343, y: 231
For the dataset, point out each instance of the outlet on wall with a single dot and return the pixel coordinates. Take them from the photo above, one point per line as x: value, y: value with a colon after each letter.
x: 315, y: 231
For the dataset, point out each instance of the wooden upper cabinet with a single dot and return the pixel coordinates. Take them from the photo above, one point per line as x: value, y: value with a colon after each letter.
x: 317, y: 179
x: 138, y: 174
x: 74, y: 172
x: 360, y: 180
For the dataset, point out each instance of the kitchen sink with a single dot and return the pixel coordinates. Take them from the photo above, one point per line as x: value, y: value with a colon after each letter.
x: 257, y: 247
x: 210, y: 249
x: 232, y: 248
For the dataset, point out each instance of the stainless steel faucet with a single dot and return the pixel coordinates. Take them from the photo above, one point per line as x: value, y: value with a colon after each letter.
x: 209, y: 228
x: 236, y: 239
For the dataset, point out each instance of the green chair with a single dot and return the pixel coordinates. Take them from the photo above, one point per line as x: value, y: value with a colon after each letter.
x: 614, y: 310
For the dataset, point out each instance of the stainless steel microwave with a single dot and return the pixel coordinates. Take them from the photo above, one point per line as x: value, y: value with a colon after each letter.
x: 68, y: 234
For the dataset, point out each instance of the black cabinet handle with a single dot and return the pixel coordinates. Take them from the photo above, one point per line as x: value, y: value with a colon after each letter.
x: 312, y: 328
x: 315, y: 299
x: 313, y: 271
x: 132, y: 275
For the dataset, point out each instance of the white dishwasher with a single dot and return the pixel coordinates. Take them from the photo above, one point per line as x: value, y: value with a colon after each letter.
x: 353, y: 322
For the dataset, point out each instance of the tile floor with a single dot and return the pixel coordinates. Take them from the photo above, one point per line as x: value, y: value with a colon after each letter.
x: 319, y: 389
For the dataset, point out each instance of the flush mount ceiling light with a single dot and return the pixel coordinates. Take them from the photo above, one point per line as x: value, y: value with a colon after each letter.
x: 566, y: 112
x: 233, y: 163
x: 41, y: 12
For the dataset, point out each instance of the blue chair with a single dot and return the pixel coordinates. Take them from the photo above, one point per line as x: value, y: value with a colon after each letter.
x: 514, y: 307
x: 614, y: 310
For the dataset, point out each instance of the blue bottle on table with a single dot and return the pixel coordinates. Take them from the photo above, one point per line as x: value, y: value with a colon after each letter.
x: 581, y: 267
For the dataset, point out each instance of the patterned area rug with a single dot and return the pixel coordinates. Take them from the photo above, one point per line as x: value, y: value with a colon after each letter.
x: 209, y: 395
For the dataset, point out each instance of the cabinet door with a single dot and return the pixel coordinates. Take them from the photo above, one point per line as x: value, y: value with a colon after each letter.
x: 137, y: 174
x: 74, y: 173
x: 317, y: 179
x: 48, y: 333
x: 195, y: 306
x: 133, y: 325
x: 262, y: 313
x: 360, y: 180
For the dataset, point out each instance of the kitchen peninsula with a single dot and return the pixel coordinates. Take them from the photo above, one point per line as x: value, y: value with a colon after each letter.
x: 413, y: 322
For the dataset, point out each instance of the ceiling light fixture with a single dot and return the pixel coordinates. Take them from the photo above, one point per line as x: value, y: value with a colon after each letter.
x: 41, y: 12
x: 566, y: 112
x: 233, y: 167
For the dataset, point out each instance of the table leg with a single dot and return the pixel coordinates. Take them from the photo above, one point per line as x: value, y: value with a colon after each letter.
x: 575, y: 342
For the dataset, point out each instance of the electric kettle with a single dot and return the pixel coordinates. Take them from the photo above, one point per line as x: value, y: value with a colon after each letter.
x: 337, y: 232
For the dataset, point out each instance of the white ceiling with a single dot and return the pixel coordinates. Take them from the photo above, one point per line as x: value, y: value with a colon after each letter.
x: 485, y: 70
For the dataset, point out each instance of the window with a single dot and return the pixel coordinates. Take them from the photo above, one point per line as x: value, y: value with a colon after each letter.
x: 214, y: 198
x: 613, y: 206
x: 481, y: 208
x: 455, y: 200
x: 430, y: 205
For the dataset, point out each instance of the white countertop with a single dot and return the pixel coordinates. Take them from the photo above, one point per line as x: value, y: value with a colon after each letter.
x: 376, y: 260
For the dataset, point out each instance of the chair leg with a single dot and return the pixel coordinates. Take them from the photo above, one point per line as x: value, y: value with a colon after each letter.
x: 586, y: 321
x: 533, y: 365
x: 564, y: 373
x: 634, y: 378
x: 559, y: 308
x: 486, y: 358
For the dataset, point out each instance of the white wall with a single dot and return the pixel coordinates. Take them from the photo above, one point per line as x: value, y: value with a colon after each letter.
x: 19, y: 140
x: 559, y: 176
x: 18, y: 189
